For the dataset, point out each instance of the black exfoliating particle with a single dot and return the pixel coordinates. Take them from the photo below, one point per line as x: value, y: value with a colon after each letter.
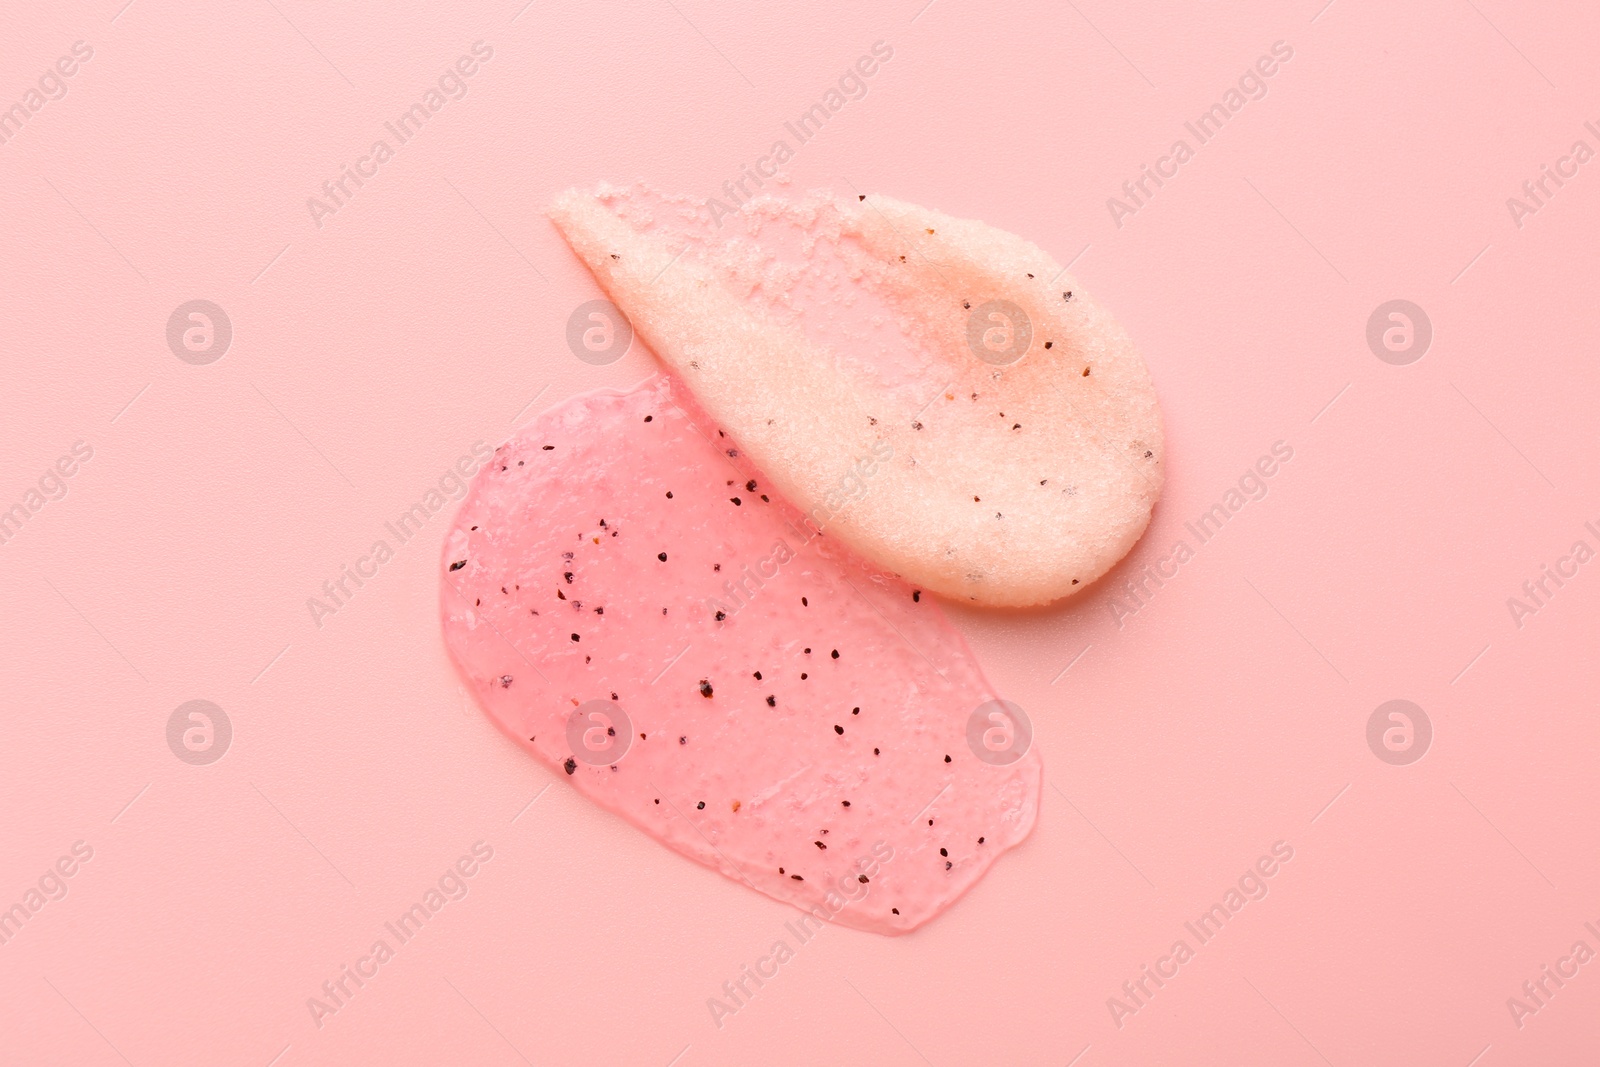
x: 772, y: 701
x: 458, y: 564
x: 838, y: 729
x: 705, y: 685
x: 571, y: 765
x: 662, y: 556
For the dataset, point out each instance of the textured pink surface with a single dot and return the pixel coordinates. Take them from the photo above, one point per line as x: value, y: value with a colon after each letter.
x: 1222, y: 716
x: 788, y: 715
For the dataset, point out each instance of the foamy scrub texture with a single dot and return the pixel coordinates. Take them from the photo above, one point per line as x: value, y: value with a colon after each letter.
x: 1024, y: 429
x: 633, y: 604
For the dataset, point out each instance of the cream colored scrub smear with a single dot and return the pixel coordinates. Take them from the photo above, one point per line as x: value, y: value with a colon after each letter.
x: 1023, y: 428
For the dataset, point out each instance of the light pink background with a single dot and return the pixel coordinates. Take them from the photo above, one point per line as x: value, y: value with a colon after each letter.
x: 369, y: 353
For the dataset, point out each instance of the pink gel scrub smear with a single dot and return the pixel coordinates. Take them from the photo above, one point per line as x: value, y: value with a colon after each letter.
x: 811, y: 742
